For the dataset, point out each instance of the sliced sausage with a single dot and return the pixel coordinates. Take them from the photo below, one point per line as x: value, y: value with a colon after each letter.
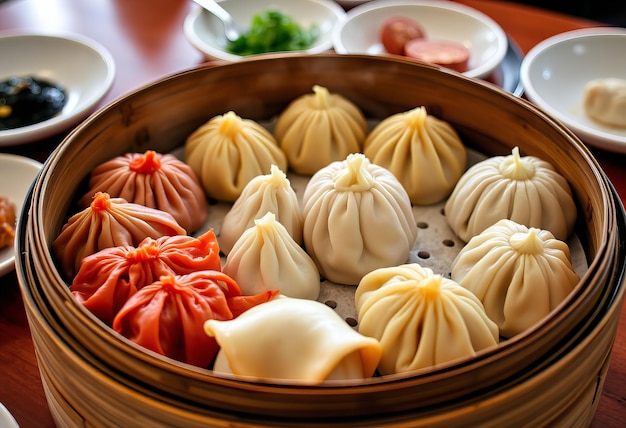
x: 396, y: 31
x: 445, y: 53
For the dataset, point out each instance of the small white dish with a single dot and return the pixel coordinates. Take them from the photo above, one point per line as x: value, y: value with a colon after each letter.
x: 6, y: 418
x: 84, y: 68
x: 17, y: 174
x: 441, y: 20
x: 206, y: 32
x: 554, y: 74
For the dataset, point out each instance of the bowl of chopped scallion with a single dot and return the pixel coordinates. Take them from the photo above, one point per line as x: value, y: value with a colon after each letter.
x: 269, y: 26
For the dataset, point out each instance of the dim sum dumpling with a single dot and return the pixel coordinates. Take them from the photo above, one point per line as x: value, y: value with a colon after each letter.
x: 155, y: 180
x: 357, y: 217
x: 420, y: 318
x: 425, y: 154
x: 520, y: 274
x: 526, y: 190
x: 228, y: 151
x: 168, y: 315
x: 109, y: 222
x: 108, y: 278
x: 319, y: 128
x: 264, y: 193
x: 266, y: 257
x: 604, y: 101
x: 292, y: 339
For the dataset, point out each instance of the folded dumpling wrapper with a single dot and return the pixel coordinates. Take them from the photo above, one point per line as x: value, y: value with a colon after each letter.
x: 228, y: 151
x: 264, y: 193
x: 267, y: 258
x: 319, y: 128
x: 155, y: 180
x: 520, y: 274
x: 421, y: 318
x: 526, y: 189
x: 357, y: 218
x: 292, y: 340
x: 424, y: 152
x: 109, y: 222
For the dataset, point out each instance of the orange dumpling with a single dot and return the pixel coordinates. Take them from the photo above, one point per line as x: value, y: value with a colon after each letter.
x: 109, y: 222
x: 155, y: 180
x: 108, y: 278
x: 168, y: 315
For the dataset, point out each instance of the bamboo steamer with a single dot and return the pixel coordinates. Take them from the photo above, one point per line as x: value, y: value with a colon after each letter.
x: 551, y: 374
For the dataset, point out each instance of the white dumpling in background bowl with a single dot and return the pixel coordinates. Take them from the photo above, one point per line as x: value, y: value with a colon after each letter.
x: 604, y: 101
x: 266, y: 257
x: 357, y: 217
x: 289, y: 339
x: 520, y: 274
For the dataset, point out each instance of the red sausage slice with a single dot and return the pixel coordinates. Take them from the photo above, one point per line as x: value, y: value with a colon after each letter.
x: 441, y: 52
x: 396, y: 31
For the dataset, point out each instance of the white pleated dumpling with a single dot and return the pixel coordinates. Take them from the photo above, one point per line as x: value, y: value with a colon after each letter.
x: 292, y: 340
x: 264, y: 193
x: 357, y: 218
x: 319, y: 128
x: 520, y: 274
x: 425, y: 154
x: 228, y: 151
x: 604, y: 101
x: 420, y: 318
x: 266, y: 257
x: 527, y: 190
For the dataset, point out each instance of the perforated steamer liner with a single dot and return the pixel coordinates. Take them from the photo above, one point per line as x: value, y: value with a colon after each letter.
x: 94, y: 375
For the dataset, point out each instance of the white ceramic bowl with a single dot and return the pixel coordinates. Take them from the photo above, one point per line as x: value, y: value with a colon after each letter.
x: 441, y: 19
x: 83, y: 67
x: 555, y: 72
x: 206, y: 32
x: 6, y: 419
x: 17, y: 174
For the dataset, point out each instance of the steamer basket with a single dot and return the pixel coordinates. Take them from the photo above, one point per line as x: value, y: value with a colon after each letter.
x: 551, y: 374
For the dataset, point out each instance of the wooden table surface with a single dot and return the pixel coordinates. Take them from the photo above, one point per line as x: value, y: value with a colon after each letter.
x: 146, y: 39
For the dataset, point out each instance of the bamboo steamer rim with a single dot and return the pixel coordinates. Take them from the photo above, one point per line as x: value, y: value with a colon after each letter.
x: 51, y: 170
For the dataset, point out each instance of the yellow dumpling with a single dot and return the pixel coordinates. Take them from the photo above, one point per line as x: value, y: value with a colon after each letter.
x: 526, y: 189
x: 319, y: 128
x: 423, y: 152
x: 520, y: 274
x: 227, y: 152
x: 420, y: 318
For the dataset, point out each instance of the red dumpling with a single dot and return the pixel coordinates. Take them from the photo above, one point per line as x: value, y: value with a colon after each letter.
x: 109, y: 222
x: 155, y: 180
x: 108, y: 278
x: 168, y: 316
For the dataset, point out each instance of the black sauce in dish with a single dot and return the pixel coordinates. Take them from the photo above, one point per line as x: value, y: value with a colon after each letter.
x: 28, y: 100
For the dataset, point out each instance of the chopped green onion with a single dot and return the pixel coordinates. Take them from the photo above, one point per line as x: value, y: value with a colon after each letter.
x: 273, y: 31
